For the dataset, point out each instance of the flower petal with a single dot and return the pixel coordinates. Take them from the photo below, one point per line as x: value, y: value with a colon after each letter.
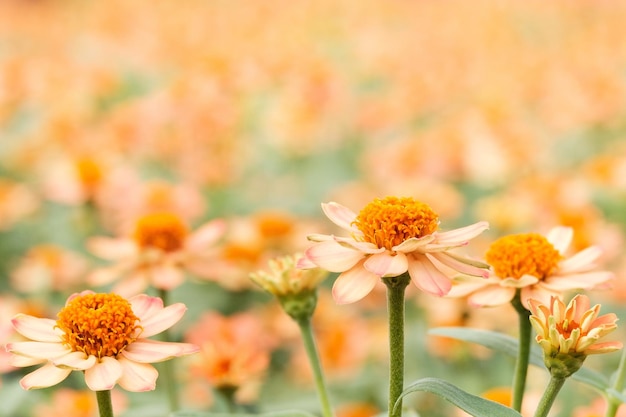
x: 604, y: 347
x: 460, y: 264
x: 150, y: 351
x: 340, y: 215
x: 137, y: 377
x: 491, y: 296
x: 75, y: 361
x: 386, y: 264
x: 457, y: 236
x: 162, y: 319
x: 586, y: 280
x: 166, y: 277
x: 23, y: 361
x: 464, y: 285
x: 103, y: 276
x: 46, y: 376
x: 536, y: 292
x: 38, y: 350
x: 37, y: 329
x: 560, y: 237
x: 305, y: 263
x: 112, y: 249
x: 414, y: 244
x: 521, y: 282
x: 353, y: 285
x: 145, y: 306
x: 365, y: 247
x: 427, y: 277
x: 134, y: 283
x: 580, y: 262
x: 333, y: 257
x: 104, y: 374
x: 206, y: 235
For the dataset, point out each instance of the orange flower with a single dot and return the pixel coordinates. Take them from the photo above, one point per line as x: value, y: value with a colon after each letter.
x: 48, y: 267
x: 390, y: 237
x: 568, y: 334
x: 234, y: 352
x: 535, y: 265
x: 159, y: 252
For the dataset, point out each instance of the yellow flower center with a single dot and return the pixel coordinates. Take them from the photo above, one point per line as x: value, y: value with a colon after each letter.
x: 164, y: 231
x: 274, y: 224
x: 89, y: 172
x: 98, y: 324
x: 523, y: 254
x: 390, y: 221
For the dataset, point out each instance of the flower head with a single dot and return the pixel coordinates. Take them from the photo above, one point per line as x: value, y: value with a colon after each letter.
x: 48, y: 267
x: 296, y: 289
x: 534, y: 264
x: 569, y: 334
x: 389, y: 237
x: 158, y: 252
x: 104, y: 335
x: 284, y: 278
x: 234, y: 352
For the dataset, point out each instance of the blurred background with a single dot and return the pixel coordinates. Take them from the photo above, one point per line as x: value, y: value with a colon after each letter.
x: 257, y: 111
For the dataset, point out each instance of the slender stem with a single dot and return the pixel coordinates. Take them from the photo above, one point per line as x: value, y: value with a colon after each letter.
x: 105, y: 407
x: 553, y: 388
x: 523, y: 354
x: 309, y: 344
x: 395, y: 310
x: 618, y: 385
x: 228, y: 394
x: 167, y: 367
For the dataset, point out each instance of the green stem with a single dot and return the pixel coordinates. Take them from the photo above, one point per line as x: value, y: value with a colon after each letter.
x: 618, y: 385
x: 228, y: 394
x: 105, y: 407
x: 395, y: 310
x: 311, y: 350
x: 167, y: 367
x: 523, y: 354
x: 549, y: 396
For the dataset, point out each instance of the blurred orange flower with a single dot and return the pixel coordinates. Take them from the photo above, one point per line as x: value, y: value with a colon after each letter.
x: 234, y: 352
x: 49, y: 268
x: 160, y: 252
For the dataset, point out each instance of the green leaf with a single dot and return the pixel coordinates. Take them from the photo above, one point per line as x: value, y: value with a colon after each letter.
x: 509, y: 345
x: 475, y: 406
x: 286, y: 413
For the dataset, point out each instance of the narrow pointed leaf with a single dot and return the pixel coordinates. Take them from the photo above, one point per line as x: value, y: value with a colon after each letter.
x: 471, y: 404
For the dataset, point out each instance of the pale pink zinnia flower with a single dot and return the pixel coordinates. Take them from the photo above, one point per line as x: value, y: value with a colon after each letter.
x: 536, y: 266
x: 160, y: 251
x: 390, y: 237
x: 569, y: 334
x: 103, y: 335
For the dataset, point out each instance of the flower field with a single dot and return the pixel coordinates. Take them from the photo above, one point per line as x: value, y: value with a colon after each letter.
x: 184, y: 150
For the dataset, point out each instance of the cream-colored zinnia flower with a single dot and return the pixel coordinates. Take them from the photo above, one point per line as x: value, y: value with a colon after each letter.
x: 535, y: 265
x: 104, y: 335
x: 390, y: 237
x: 284, y: 278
